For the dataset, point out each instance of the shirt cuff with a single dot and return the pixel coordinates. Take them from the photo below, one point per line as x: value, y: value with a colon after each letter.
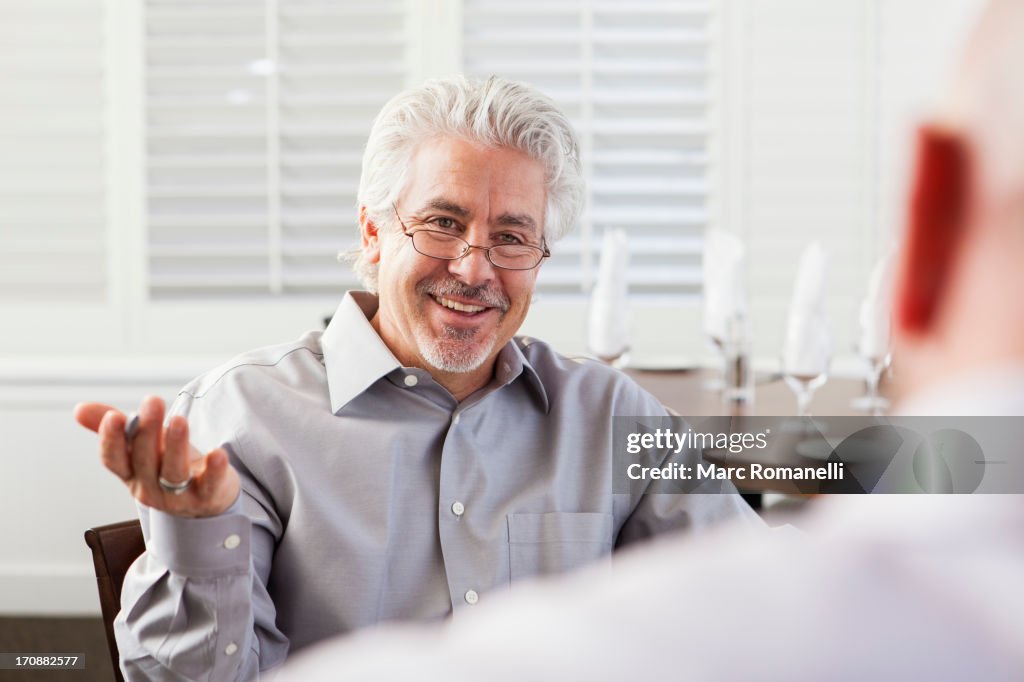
x: 202, y: 548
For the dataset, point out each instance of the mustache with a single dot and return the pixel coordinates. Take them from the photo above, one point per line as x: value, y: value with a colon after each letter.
x: 483, y: 294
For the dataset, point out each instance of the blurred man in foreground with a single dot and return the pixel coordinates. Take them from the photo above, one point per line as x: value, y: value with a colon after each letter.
x: 887, y: 587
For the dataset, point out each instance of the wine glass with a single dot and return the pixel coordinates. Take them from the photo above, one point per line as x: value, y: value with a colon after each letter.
x: 806, y: 356
x: 617, y: 359
x: 716, y: 382
x: 875, y: 363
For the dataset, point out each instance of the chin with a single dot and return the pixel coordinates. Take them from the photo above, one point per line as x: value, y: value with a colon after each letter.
x: 455, y: 357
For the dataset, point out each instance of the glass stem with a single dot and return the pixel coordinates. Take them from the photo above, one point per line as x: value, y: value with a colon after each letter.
x: 874, y: 376
x: 803, y: 402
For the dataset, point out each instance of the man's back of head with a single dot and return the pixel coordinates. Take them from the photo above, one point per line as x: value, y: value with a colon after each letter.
x: 958, y: 305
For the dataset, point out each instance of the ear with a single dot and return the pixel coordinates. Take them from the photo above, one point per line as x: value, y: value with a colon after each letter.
x: 935, y: 229
x: 370, y: 236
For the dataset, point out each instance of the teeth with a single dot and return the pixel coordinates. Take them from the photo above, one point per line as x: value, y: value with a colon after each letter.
x: 461, y: 307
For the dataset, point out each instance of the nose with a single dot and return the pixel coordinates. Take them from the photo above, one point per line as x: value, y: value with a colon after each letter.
x: 473, y: 268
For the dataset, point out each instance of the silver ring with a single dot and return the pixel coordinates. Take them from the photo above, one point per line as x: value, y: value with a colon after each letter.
x: 175, y: 488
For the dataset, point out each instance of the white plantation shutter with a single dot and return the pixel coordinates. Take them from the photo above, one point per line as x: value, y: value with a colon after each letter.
x: 810, y: 156
x: 257, y: 113
x: 52, y: 164
x: 635, y: 79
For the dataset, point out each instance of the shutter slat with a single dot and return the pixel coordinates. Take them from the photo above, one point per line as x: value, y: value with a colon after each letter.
x: 256, y: 127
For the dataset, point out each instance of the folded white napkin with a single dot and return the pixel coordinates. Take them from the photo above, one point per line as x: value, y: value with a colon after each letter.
x: 808, y: 346
x: 609, y: 328
x: 724, y: 291
x: 876, y: 310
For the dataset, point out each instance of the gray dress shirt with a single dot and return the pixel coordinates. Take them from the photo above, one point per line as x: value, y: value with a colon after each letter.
x: 370, y: 494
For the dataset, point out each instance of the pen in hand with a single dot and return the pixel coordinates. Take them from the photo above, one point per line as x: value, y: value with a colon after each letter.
x: 131, y: 426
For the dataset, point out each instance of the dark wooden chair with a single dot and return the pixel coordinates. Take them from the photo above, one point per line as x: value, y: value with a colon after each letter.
x: 114, y: 548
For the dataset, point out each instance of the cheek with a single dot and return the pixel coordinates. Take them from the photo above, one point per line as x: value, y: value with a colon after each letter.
x: 525, y: 284
x: 520, y: 292
x: 396, y: 265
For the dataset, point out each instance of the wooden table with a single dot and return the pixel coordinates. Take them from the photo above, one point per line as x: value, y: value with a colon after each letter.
x: 684, y: 392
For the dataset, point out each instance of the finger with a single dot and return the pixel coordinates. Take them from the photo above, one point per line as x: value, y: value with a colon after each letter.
x: 217, y: 484
x: 90, y: 415
x: 146, y: 448
x: 174, y: 465
x: 113, y: 450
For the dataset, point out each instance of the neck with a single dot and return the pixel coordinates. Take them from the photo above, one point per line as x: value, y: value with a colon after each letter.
x: 460, y: 384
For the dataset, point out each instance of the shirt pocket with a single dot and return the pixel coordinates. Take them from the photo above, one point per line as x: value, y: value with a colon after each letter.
x: 539, y: 544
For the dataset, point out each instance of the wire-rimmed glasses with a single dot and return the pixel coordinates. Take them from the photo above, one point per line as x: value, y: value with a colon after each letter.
x: 444, y: 246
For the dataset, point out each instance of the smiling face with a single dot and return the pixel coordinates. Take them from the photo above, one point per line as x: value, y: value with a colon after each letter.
x: 452, y: 317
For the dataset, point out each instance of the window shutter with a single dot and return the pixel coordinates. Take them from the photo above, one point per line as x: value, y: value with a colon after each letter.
x: 810, y: 138
x: 257, y: 114
x: 635, y: 79
x: 52, y: 169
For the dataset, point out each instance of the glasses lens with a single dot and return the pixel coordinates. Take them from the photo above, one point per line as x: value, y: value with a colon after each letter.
x: 449, y: 247
x: 438, y: 244
x: 516, y: 256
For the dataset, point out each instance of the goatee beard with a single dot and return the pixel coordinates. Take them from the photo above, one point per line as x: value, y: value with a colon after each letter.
x: 449, y: 352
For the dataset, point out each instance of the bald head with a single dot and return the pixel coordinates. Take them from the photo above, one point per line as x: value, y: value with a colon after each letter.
x: 986, y: 100
x: 959, y: 299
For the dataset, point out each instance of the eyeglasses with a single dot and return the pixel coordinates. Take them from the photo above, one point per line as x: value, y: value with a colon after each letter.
x: 444, y: 246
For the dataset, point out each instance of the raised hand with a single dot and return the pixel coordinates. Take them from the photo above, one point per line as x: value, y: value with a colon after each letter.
x: 157, y: 461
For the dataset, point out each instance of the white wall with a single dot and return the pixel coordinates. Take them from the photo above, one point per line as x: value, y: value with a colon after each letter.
x: 53, y: 489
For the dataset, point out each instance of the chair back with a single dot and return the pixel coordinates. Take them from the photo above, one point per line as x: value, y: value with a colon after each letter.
x: 114, y: 548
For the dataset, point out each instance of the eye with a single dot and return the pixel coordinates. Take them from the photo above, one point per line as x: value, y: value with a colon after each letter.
x: 444, y: 223
x: 509, y: 238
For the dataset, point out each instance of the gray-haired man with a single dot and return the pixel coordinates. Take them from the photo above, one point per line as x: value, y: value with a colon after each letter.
x: 414, y: 455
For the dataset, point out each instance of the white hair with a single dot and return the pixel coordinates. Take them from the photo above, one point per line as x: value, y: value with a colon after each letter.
x: 496, y: 113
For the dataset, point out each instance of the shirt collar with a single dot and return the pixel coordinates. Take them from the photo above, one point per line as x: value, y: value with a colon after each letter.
x: 356, y: 357
x: 354, y: 354
x: 511, y: 362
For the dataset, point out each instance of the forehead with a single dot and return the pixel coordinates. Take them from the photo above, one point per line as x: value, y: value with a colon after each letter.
x: 485, y: 181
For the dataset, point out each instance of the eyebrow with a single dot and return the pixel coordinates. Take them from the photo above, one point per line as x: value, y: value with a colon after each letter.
x: 523, y: 220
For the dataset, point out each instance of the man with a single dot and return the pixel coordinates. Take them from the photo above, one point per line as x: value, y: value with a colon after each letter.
x: 888, y: 587
x: 413, y: 456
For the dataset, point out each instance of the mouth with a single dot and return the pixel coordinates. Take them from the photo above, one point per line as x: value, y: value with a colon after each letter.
x: 463, y: 309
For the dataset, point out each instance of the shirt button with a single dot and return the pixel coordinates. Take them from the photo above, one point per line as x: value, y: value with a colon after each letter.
x: 230, y: 649
x: 458, y: 508
x: 232, y: 541
x: 411, y: 380
x: 455, y: 419
x: 472, y: 597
